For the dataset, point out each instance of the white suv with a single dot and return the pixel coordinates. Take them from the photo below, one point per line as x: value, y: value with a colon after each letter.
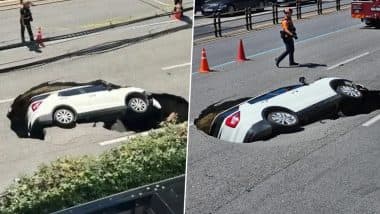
x: 65, y: 107
x: 284, y: 109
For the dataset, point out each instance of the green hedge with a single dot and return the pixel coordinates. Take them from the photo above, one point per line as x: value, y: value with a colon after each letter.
x: 71, y: 181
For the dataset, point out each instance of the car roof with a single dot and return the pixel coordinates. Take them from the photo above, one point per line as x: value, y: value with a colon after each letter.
x: 65, y: 89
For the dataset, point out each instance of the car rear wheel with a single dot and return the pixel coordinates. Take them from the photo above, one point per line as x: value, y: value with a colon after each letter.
x: 349, y: 91
x: 138, y: 103
x: 282, y: 118
x: 64, y: 117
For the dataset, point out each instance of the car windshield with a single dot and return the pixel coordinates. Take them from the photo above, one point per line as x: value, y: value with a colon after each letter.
x: 273, y: 93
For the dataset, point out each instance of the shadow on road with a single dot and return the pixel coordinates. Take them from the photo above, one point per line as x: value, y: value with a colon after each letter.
x: 33, y: 46
x: 312, y: 65
x: 305, y: 65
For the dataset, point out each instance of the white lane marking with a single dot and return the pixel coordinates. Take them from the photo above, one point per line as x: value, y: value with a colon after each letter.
x: 126, y: 138
x: 176, y: 66
x: 372, y: 121
x: 162, y: 3
x: 348, y: 60
x: 6, y: 100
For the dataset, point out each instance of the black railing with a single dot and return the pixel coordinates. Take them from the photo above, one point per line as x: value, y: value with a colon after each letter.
x: 226, y: 22
x: 162, y: 197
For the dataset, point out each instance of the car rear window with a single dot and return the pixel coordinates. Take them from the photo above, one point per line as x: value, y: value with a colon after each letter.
x: 39, y: 97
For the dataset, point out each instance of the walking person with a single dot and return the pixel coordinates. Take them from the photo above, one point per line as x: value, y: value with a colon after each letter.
x: 288, y: 32
x: 25, y: 20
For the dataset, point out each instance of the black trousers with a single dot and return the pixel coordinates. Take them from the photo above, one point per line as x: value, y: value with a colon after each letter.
x: 289, y: 49
x: 29, y: 28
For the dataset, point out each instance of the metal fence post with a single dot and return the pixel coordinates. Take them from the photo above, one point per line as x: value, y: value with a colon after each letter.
x: 337, y: 5
x: 298, y: 7
x: 273, y: 13
x: 319, y: 4
x: 250, y: 18
x: 246, y: 19
x: 276, y: 13
x: 215, y: 26
x: 219, y: 25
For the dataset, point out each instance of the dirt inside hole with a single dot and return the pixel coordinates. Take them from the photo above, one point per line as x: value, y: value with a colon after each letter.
x: 203, y: 122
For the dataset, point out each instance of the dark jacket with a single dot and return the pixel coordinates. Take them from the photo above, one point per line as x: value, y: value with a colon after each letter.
x: 26, y: 15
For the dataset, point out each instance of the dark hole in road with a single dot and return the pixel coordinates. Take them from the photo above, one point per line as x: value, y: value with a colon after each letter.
x: 370, y: 103
x: 203, y: 122
x: 172, y: 108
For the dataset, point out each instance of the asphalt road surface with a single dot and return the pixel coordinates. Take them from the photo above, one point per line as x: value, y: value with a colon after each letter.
x: 77, y: 15
x: 159, y: 64
x: 204, y: 26
x: 332, y: 166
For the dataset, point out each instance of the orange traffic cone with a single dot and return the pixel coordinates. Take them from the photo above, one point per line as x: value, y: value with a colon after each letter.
x: 177, y: 15
x: 240, y: 54
x: 39, y: 38
x: 204, y: 64
x: 177, y: 12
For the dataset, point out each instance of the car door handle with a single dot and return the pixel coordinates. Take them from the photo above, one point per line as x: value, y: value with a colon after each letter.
x: 92, y: 95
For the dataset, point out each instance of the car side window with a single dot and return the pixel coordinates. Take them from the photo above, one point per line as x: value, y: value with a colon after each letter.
x: 67, y: 93
x: 285, y: 89
x: 94, y: 88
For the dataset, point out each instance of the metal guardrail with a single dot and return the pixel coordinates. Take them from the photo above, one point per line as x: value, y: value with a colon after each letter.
x: 166, y: 196
x: 249, y: 19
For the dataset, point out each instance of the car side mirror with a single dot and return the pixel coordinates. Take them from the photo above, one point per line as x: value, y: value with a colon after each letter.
x: 109, y: 87
x: 302, y: 80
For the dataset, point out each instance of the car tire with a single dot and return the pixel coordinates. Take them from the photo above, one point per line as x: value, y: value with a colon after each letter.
x: 352, y: 99
x: 64, y: 117
x: 137, y: 103
x: 349, y: 91
x: 283, y: 119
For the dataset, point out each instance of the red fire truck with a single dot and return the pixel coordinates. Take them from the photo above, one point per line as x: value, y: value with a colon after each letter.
x: 367, y: 11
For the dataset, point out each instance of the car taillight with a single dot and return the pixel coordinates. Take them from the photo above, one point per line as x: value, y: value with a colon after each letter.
x: 233, y: 120
x: 35, y: 105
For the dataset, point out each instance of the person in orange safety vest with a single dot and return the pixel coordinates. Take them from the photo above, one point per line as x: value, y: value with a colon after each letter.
x: 288, y: 32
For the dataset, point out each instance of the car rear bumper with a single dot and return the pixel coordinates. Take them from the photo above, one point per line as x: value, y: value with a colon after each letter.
x: 259, y: 131
x: 40, y: 122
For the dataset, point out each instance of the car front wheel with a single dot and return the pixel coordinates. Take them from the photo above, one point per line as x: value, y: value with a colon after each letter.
x: 349, y: 91
x: 64, y: 117
x: 283, y: 118
x: 138, y: 104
